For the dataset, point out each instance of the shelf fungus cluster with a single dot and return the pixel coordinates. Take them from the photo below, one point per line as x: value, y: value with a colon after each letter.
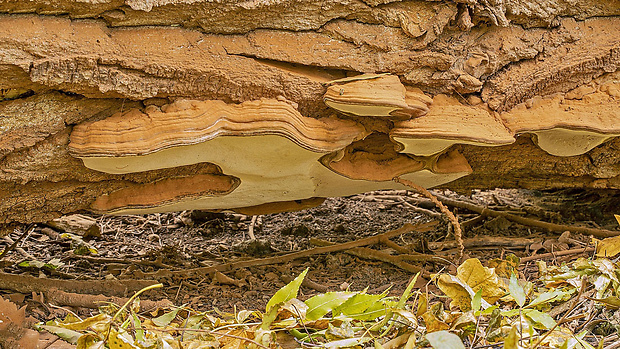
x: 271, y: 158
x: 570, y: 124
x: 266, y: 150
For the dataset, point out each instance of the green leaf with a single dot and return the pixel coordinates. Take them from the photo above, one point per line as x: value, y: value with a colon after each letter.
x: 137, y: 324
x: 358, y: 303
x: 512, y: 340
x: 287, y: 292
x: 444, y: 340
x: 70, y: 336
x: 476, y: 301
x: 166, y: 319
x: 403, y: 299
x: 374, y: 311
x: 32, y: 264
x: 322, y: 304
x: 539, y: 319
x: 547, y: 297
x: 516, y: 291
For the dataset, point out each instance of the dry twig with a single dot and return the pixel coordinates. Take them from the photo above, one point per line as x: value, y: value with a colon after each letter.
x: 601, y: 233
x: 14, y: 244
x: 557, y: 254
x: 94, y: 301
x: 29, y: 284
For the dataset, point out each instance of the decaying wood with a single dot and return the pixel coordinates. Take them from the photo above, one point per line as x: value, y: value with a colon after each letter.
x: 29, y: 284
x: 494, y: 87
x: 62, y: 298
x: 77, y: 224
x: 601, y: 233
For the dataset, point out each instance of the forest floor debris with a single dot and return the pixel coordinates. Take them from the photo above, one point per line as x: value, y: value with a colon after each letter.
x: 134, y: 246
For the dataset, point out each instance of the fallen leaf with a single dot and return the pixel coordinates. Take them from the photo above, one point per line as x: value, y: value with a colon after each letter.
x: 516, y: 291
x: 322, y: 304
x: 479, y: 277
x: 444, y: 340
x: 539, y: 319
x: 287, y: 292
x: 512, y: 340
x: 608, y: 247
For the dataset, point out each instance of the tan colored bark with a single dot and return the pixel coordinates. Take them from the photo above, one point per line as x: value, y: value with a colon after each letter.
x: 63, y: 63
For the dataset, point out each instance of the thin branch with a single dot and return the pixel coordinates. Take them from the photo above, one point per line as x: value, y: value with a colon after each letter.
x: 27, y: 231
x: 601, y: 233
x: 162, y: 273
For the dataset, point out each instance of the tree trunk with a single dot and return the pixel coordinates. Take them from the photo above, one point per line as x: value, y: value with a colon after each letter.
x: 150, y: 106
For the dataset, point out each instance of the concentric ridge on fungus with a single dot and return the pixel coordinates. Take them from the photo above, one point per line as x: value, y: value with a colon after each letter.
x: 449, y: 122
x: 187, y: 122
x: 376, y: 95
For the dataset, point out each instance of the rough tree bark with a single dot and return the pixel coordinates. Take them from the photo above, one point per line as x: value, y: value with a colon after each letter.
x: 65, y: 63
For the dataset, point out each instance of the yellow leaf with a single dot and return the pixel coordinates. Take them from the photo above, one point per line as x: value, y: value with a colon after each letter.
x: 617, y: 218
x: 459, y: 295
x: 434, y: 319
x: 608, y: 247
x: 505, y: 267
x: 479, y: 277
x: 118, y: 341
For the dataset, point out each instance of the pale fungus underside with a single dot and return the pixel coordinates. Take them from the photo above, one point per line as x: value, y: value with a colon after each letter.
x: 272, y: 158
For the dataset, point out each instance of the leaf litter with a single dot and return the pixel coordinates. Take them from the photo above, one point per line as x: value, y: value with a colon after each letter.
x: 487, y: 310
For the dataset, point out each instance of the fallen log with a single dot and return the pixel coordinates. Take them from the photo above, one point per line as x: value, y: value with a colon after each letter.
x: 141, y: 106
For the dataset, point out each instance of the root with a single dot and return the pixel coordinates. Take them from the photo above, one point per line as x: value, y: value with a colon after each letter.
x: 458, y: 233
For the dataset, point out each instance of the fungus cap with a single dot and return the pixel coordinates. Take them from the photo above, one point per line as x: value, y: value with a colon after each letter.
x: 449, y: 122
x: 375, y: 95
x: 108, y: 145
x: 570, y: 124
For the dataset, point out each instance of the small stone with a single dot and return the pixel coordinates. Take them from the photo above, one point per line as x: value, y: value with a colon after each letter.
x: 256, y: 247
x: 339, y: 228
x: 296, y: 230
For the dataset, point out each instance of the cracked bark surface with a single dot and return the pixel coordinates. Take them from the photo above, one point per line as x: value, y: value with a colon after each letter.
x: 64, y: 62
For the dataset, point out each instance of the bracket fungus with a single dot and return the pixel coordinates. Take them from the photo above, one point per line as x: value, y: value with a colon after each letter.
x: 377, y: 159
x: 165, y: 191
x: 375, y: 95
x: 266, y: 150
x: 267, y: 144
x: 570, y: 124
x: 449, y: 122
